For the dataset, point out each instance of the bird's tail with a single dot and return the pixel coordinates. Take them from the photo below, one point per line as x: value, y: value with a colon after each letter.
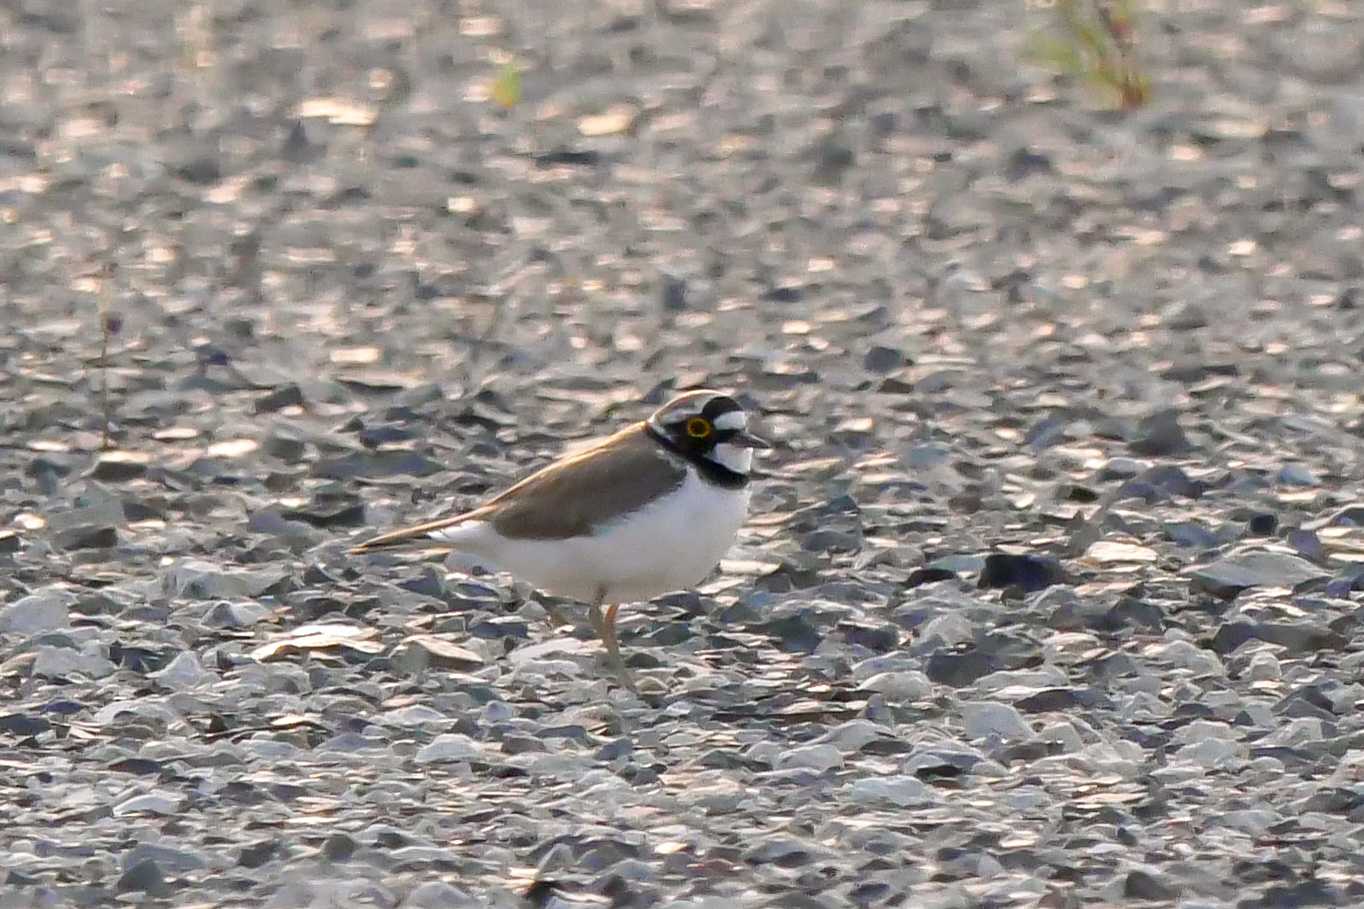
x: 417, y: 537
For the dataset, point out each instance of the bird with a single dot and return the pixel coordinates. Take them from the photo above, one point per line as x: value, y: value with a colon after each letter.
x: 645, y: 511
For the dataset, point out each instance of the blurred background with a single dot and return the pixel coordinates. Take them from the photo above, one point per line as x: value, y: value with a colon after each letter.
x: 443, y: 189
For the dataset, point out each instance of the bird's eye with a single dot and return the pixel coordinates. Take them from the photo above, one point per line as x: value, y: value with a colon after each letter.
x: 698, y: 427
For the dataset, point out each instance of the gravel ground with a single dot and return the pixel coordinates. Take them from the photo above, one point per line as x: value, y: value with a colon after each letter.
x: 1052, y: 596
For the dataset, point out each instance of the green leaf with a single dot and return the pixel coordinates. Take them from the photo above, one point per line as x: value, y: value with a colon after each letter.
x: 506, y: 89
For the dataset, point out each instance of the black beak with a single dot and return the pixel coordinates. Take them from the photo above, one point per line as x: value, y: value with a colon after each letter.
x: 746, y: 439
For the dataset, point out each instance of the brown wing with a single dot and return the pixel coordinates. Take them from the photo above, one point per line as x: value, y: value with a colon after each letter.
x: 569, y: 497
x: 572, y: 496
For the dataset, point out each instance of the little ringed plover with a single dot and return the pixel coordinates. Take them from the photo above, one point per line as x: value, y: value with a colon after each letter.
x: 648, y: 510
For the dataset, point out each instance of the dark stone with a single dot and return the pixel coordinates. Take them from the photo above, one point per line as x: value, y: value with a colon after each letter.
x: 876, y: 638
x: 1130, y: 611
x: 73, y: 538
x: 960, y: 668
x: 144, y: 877
x: 284, y: 447
x: 673, y: 293
x: 285, y: 396
x: 257, y: 854
x: 1140, y: 885
x: 1174, y: 481
x: 118, y: 469
x: 23, y: 725
x: 1028, y: 572
x: 1231, y: 636
x: 1263, y: 524
x: 1160, y: 435
x: 339, y: 847
x: 1307, y: 544
x: 882, y: 359
x: 501, y: 627
x: 795, y: 632
x: 920, y: 576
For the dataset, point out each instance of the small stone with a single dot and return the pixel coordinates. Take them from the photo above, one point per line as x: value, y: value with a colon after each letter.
x: 154, y: 802
x: 795, y: 633
x: 1107, y: 552
x: 1191, y: 534
x: 1263, y: 524
x: 144, y: 877
x: 424, y: 651
x: 62, y: 662
x: 920, y: 576
x: 75, y: 538
x: 178, y: 861
x: 1185, y: 655
x: 897, y: 791
x: 257, y: 854
x: 1264, y: 667
x: 1027, y: 572
x: 1174, y: 481
x: 120, y: 466
x: 339, y: 847
x: 673, y: 293
x: 1351, y: 580
x: 284, y: 447
x: 1228, y: 577
x: 183, y: 673
x: 201, y: 580
x: 452, y: 746
x: 1143, y: 885
x: 960, y: 668
x: 812, y: 757
x: 289, y: 395
x: 23, y: 725
x: 1307, y: 544
x: 1122, y: 468
x: 854, y: 735
x: 899, y: 686
x: 1160, y: 435
x: 1297, y: 475
x: 983, y: 719
x: 439, y: 895
x: 1349, y: 516
x: 882, y: 360
x: 46, y: 610
x: 378, y: 464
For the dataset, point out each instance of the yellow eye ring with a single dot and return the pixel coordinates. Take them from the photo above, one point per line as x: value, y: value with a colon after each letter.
x: 698, y: 427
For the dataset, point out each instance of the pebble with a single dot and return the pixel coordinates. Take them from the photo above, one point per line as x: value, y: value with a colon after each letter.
x: 46, y: 610
x: 893, y: 791
x: 983, y: 719
x: 1160, y: 435
x: 812, y: 757
x: 184, y: 672
x: 899, y: 686
x: 1027, y: 572
x: 201, y: 580
x: 1228, y: 577
x: 451, y: 746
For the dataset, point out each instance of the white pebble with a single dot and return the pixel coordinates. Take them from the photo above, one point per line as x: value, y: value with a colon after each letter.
x: 452, y: 746
x: 986, y: 718
x: 812, y: 757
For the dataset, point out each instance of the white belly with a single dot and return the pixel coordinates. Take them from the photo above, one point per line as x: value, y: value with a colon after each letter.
x: 669, y: 545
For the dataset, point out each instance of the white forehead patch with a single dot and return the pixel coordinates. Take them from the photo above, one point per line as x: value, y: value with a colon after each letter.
x: 734, y: 419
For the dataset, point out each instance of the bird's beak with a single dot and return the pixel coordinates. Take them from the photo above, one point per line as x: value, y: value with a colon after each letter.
x: 746, y: 439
